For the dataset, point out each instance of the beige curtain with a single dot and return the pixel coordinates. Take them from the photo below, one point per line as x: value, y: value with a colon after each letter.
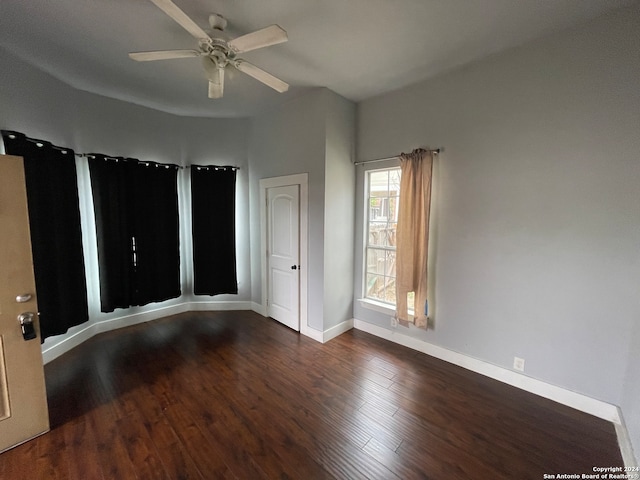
x: 412, y: 240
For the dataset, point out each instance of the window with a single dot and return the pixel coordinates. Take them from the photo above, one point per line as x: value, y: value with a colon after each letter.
x: 383, y: 189
x: 388, y: 207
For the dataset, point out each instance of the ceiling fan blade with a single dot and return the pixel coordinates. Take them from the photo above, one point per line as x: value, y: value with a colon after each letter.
x: 216, y: 83
x: 163, y: 55
x: 171, y: 9
x: 262, y: 76
x: 265, y: 37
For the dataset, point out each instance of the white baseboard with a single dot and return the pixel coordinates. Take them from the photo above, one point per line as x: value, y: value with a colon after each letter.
x: 219, y: 306
x: 624, y: 442
x: 87, y: 331
x: 307, y: 331
x: 561, y: 395
x: 52, y: 352
x: 259, y: 309
x: 325, y: 336
x: 339, y: 329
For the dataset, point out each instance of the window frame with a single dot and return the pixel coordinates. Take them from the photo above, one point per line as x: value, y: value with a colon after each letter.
x: 381, y: 303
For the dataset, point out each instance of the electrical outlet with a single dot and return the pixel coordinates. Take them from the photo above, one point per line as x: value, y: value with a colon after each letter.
x: 518, y: 363
x: 394, y: 322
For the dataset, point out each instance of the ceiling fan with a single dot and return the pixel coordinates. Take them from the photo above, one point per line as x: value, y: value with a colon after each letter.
x: 217, y: 51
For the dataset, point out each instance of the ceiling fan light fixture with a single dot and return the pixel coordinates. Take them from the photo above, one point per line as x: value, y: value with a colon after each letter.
x: 216, y: 90
x: 216, y: 84
x: 215, y: 75
x: 210, y: 66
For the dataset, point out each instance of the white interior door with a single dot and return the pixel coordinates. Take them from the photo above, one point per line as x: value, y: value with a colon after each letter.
x: 283, y: 255
x: 23, y: 400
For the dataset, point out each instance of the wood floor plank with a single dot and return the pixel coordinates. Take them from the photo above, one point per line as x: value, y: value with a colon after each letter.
x: 85, y: 463
x: 140, y: 448
x: 348, y: 440
x: 224, y: 431
x: 172, y: 453
x: 435, y: 453
x: 111, y: 449
x: 53, y: 456
x: 279, y: 401
x: 208, y: 459
x: 232, y: 395
x: 404, y: 469
x: 19, y: 462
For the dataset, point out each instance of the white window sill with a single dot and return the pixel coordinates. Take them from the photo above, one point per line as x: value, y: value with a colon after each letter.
x: 385, y: 308
x: 378, y: 306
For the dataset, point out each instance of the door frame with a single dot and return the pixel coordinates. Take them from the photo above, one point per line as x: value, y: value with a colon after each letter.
x: 302, y: 180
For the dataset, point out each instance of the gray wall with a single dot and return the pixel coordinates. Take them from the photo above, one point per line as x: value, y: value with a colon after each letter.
x: 313, y: 134
x: 40, y: 106
x: 631, y: 393
x: 286, y: 141
x: 537, y: 206
x: 339, y: 210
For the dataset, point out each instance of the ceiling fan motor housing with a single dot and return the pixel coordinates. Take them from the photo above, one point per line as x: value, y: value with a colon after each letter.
x: 218, y: 51
x: 216, y: 47
x: 217, y: 22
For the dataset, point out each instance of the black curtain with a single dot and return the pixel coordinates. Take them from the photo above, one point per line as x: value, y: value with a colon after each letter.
x: 213, y: 205
x: 112, y: 204
x: 156, y: 227
x: 137, y: 227
x: 56, y: 235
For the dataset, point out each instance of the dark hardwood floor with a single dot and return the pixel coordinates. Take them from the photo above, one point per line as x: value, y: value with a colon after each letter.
x: 234, y: 395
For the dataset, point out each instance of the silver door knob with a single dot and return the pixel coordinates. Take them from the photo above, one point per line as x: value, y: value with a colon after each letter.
x: 24, y: 298
x: 27, y: 325
x: 26, y: 317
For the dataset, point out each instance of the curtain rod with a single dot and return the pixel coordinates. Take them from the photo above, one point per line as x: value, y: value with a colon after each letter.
x: 107, y: 157
x: 90, y: 155
x: 432, y: 150
x: 216, y: 167
x: 40, y: 143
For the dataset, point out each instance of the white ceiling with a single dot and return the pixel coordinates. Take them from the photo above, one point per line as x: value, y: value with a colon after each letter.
x: 357, y: 48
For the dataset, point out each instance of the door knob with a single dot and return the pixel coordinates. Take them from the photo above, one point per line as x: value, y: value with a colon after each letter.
x: 295, y: 267
x: 26, y: 323
x: 24, y: 298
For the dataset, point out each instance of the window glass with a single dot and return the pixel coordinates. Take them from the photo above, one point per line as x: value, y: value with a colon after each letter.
x: 383, y: 190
